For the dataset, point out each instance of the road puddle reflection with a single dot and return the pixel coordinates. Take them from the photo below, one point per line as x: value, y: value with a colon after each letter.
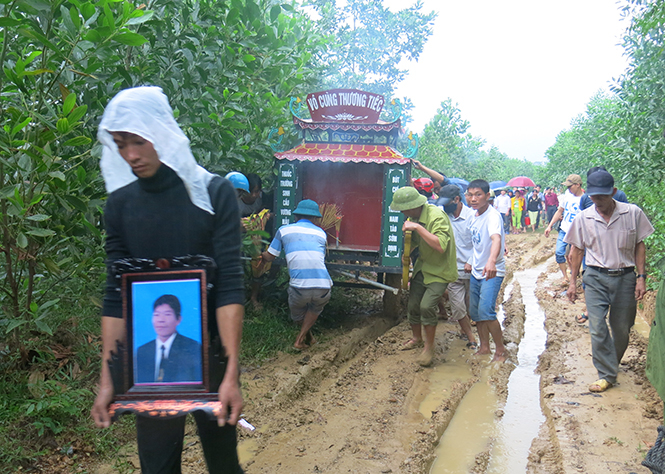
x: 469, y: 432
x: 475, y: 429
x: 522, y: 414
x: 443, y: 376
x: 641, y: 326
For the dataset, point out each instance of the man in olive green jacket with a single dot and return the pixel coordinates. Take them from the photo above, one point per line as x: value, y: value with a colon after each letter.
x: 435, y: 267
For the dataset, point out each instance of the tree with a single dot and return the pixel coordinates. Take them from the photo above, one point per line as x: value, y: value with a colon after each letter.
x: 49, y: 184
x: 623, y: 131
x: 447, y: 147
x: 369, y: 43
x: 443, y: 143
x: 229, y: 69
x: 588, y: 142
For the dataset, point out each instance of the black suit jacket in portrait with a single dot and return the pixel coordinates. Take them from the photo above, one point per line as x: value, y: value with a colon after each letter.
x: 182, y: 365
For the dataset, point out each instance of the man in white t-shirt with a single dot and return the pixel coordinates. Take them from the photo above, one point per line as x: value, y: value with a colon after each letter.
x: 569, y: 207
x: 487, y: 268
x: 502, y: 204
x: 458, y: 291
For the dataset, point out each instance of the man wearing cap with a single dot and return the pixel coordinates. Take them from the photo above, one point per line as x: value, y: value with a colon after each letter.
x: 569, y: 207
x: 586, y: 201
x: 458, y: 291
x: 304, y: 245
x: 239, y: 181
x: 434, y: 268
x: 612, y: 233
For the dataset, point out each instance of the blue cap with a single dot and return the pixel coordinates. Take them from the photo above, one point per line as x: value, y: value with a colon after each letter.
x: 600, y: 183
x: 238, y: 180
x: 307, y: 207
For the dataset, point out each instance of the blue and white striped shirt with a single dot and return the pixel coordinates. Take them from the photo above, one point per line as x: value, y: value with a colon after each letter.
x: 304, y: 245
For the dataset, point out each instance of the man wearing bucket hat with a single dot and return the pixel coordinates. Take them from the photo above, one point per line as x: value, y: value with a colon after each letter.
x: 304, y: 245
x: 612, y: 233
x: 435, y: 266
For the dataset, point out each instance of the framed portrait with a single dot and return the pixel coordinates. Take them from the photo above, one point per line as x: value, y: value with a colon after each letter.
x: 166, y: 357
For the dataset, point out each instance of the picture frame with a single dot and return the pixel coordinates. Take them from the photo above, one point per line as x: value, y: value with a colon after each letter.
x: 165, y: 357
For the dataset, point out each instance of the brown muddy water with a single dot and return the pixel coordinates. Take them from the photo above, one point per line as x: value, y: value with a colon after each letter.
x: 480, y: 424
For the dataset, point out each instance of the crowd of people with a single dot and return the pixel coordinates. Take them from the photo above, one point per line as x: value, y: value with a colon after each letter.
x: 600, y: 236
x: 458, y: 246
x: 522, y: 209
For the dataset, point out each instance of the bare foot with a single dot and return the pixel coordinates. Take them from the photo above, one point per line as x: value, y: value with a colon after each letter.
x: 482, y: 352
x: 425, y: 358
x: 412, y: 344
x: 309, y: 338
x: 499, y: 357
x: 300, y: 346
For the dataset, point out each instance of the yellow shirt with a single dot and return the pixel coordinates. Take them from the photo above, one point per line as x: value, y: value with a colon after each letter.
x: 436, y: 267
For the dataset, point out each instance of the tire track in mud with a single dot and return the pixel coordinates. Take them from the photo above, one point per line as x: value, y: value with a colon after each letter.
x: 318, y: 413
x: 584, y: 432
x: 351, y: 404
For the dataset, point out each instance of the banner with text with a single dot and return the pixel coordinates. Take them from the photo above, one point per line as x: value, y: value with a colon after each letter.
x: 287, y: 192
x: 345, y: 105
x: 392, y: 237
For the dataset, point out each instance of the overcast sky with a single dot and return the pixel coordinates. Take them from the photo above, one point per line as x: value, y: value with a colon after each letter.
x: 519, y: 70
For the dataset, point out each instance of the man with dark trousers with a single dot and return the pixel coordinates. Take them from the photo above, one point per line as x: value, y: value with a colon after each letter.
x: 162, y: 205
x: 612, y: 233
x: 171, y: 357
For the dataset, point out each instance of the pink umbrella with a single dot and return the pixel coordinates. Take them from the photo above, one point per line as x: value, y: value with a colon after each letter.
x: 521, y: 181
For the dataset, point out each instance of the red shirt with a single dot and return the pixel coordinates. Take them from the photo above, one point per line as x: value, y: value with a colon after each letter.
x: 551, y: 199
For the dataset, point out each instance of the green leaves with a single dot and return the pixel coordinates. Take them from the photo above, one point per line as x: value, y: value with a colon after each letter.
x: 69, y: 104
x: 63, y: 125
x: 139, y: 17
x: 130, y: 39
x: 78, y: 141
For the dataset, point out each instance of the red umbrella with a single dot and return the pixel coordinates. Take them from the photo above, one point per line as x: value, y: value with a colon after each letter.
x: 521, y: 181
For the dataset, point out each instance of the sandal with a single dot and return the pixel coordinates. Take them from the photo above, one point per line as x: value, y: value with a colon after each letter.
x: 581, y: 319
x: 472, y: 345
x: 599, y: 385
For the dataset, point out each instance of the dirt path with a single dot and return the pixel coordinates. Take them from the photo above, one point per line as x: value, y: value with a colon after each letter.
x: 585, y: 432
x: 359, y: 404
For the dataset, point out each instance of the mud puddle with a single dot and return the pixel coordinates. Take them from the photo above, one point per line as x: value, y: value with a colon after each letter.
x: 469, y: 432
x: 486, y: 435
x: 522, y: 413
x: 357, y: 403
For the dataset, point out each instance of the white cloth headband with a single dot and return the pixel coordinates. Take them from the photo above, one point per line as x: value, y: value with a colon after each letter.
x: 145, y: 111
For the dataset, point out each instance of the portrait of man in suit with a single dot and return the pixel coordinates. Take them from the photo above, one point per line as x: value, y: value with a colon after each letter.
x: 170, y: 357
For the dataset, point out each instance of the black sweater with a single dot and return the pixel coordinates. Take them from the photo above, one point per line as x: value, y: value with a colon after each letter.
x: 155, y: 218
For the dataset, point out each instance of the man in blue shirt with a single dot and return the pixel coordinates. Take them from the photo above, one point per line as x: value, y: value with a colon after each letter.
x: 304, y: 245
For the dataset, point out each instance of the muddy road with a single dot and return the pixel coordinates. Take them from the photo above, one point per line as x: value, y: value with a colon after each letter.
x: 358, y: 404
